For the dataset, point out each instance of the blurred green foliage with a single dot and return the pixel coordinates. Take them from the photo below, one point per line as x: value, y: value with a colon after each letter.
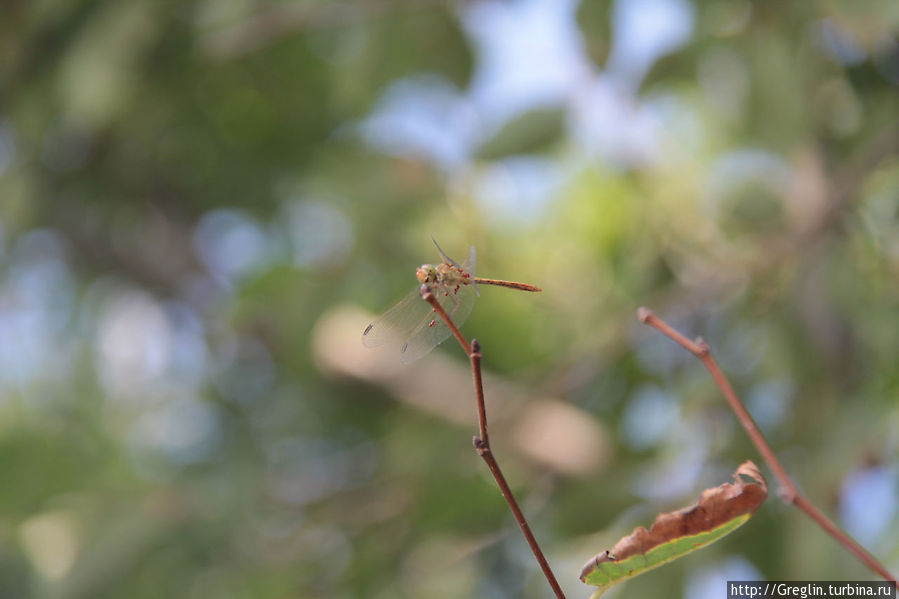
x: 191, y: 189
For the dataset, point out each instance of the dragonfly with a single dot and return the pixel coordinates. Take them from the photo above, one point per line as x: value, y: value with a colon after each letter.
x: 413, y: 325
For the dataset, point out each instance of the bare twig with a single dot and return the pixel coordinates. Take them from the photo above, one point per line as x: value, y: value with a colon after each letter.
x: 788, y: 491
x: 475, y: 356
x: 482, y: 444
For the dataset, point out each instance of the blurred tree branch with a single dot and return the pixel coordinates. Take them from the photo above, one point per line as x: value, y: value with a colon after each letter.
x: 278, y: 22
x: 788, y: 491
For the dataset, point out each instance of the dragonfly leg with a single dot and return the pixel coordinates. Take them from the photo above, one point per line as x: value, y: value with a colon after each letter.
x: 456, y: 301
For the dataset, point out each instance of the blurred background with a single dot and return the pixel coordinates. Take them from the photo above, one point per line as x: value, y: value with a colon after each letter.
x: 204, y: 202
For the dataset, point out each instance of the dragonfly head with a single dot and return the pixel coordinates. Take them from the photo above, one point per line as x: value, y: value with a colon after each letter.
x: 426, y: 273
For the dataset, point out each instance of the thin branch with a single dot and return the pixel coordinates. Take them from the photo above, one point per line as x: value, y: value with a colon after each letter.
x: 482, y: 444
x: 788, y: 491
x: 475, y: 357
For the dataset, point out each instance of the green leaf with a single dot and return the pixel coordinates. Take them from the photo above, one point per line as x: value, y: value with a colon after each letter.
x: 718, y: 511
x: 595, y: 21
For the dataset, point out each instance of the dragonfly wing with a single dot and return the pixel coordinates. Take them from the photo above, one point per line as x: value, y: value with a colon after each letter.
x: 433, y: 330
x: 443, y: 256
x: 468, y: 265
x: 468, y: 268
x: 399, y: 322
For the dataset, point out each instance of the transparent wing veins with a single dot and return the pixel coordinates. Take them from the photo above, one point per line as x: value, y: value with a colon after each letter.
x: 399, y: 322
x: 432, y: 330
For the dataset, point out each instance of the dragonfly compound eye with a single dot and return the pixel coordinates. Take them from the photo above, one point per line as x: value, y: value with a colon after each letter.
x: 426, y: 273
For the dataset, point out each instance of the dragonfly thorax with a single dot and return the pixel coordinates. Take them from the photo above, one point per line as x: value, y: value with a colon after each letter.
x: 445, y: 275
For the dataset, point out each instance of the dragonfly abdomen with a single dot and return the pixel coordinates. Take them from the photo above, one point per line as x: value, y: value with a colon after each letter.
x: 509, y: 284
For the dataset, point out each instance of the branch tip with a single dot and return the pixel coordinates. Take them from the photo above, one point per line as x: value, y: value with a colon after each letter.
x: 786, y: 495
x: 644, y: 314
x: 702, y: 346
x: 475, y: 346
